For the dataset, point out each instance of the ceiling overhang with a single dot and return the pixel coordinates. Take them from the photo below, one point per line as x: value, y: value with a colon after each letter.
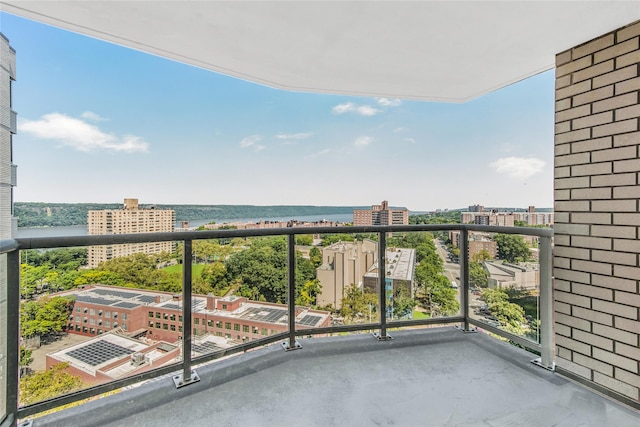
x: 447, y: 51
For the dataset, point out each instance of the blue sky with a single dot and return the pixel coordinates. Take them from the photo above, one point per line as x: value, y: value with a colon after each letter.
x: 99, y: 123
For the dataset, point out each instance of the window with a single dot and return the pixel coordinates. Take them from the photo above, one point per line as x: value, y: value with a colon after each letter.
x: 172, y: 327
x: 92, y: 321
x: 124, y: 326
x: 196, y: 321
x: 151, y: 314
x: 99, y: 331
x: 165, y: 326
x: 227, y: 325
x: 77, y: 309
x: 71, y: 318
x: 195, y: 332
x: 236, y: 327
x: 85, y: 320
x: 99, y: 322
x: 165, y: 316
x: 151, y: 324
x: 245, y: 328
x: 99, y: 312
x: 263, y: 331
x: 84, y: 310
x: 179, y: 318
x: 158, y: 315
x: 115, y: 314
x: 224, y: 306
x: 107, y: 314
x: 180, y: 328
x: 218, y: 334
x: 115, y: 324
x: 92, y: 331
x: 84, y: 329
x: 209, y: 322
x: 228, y: 336
x: 92, y: 312
x: 77, y: 328
x: 173, y: 317
x: 218, y: 324
x: 107, y: 324
x: 158, y: 325
x: 124, y: 316
x: 255, y: 329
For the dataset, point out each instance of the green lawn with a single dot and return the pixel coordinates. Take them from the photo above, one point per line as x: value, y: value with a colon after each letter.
x: 417, y: 315
x: 195, y: 270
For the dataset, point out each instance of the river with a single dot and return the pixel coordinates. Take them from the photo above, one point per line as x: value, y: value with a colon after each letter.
x: 81, y: 230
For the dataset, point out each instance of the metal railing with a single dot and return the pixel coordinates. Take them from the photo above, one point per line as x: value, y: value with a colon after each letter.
x: 11, y: 249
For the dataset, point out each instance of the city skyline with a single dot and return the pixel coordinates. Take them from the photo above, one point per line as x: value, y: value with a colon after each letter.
x: 96, y: 121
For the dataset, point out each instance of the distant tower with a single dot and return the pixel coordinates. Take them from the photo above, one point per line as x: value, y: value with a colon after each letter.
x: 130, y: 219
x: 532, y: 209
x: 8, y: 223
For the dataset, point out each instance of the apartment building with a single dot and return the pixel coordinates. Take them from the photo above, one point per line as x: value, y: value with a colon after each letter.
x: 99, y: 309
x: 478, y: 242
x: 130, y: 219
x: 381, y: 215
x: 8, y: 223
x: 504, y: 275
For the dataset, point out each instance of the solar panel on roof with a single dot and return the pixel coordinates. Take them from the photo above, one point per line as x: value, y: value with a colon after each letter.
x: 99, y: 352
x: 270, y: 315
x: 115, y: 293
x: 309, y: 320
x: 126, y: 304
x: 147, y: 298
x: 93, y: 300
x: 172, y: 306
x: 204, y: 348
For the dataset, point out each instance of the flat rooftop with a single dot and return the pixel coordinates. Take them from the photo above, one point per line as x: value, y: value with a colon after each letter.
x: 431, y: 377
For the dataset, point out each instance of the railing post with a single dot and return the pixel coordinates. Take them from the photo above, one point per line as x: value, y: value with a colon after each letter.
x: 464, y: 277
x: 13, y: 335
x: 188, y: 376
x: 292, y: 344
x: 546, y: 306
x: 382, y: 287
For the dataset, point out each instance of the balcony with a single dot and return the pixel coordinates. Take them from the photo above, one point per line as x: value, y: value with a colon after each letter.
x: 408, y: 371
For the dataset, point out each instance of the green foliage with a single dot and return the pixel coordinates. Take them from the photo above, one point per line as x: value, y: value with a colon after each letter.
x: 140, y: 271
x: 42, y: 385
x: 478, y: 276
x: 315, y: 256
x: 55, y: 258
x: 449, y: 217
x: 304, y: 239
x: 357, y: 303
x: 25, y: 359
x: 509, y: 314
x: 403, y: 304
x: 512, y: 248
x: 309, y: 293
x: 44, y: 317
x: 330, y: 239
x: 481, y: 256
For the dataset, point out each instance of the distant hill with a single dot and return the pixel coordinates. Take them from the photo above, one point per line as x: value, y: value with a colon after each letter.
x: 61, y: 214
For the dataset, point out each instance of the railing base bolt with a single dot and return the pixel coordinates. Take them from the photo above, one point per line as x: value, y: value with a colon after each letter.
x: 538, y: 362
x: 379, y: 337
x: 467, y: 331
x: 179, y: 381
x: 287, y: 347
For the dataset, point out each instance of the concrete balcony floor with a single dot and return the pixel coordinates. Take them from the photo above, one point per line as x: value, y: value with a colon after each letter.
x: 429, y: 377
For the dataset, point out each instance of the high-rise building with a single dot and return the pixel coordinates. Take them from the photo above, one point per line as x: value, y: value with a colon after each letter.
x: 381, y: 215
x: 130, y: 219
x: 8, y: 223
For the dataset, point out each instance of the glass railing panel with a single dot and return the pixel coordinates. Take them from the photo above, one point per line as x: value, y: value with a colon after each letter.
x: 422, y: 277
x: 504, y: 282
x: 339, y: 286
x: 3, y: 335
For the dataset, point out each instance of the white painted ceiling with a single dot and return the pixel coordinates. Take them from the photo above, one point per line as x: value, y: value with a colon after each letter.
x: 449, y: 51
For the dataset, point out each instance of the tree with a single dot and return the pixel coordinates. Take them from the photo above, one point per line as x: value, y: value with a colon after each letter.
x: 329, y: 239
x: 356, y: 302
x: 403, y: 304
x: 481, y: 256
x: 42, y: 385
x: 215, y: 276
x: 512, y: 248
x: 46, y: 316
x: 309, y: 293
x: 443, y: 297
x: 315, y: 255
x: 25, y: 360
x: 304, y: 239
x: 478, y: 276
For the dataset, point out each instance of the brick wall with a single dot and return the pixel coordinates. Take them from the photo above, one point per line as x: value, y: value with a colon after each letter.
x: 597, y: 229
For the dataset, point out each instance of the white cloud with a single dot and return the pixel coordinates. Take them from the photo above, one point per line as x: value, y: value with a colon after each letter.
x: 318, y: 154
x: 363, y: 141
x: 411, y: 140
x: 294, y: 136
x: 367, y: 110
x: 350, y: 107
x: 518, y: 167
x: 250, y: 140
x: 386, y: 102
x: 90, y: 115
x: 81, y: 135
x: 400, y: 129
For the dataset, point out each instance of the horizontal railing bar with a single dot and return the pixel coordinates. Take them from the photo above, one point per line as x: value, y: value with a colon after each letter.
x: 113, y: 239
x: 8, y: 245
x: 504, y: 334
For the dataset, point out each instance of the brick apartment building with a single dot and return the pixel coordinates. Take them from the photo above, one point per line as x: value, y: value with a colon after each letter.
x: 99, y: 309
x: 381, y: 215
x: 130, y: 219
